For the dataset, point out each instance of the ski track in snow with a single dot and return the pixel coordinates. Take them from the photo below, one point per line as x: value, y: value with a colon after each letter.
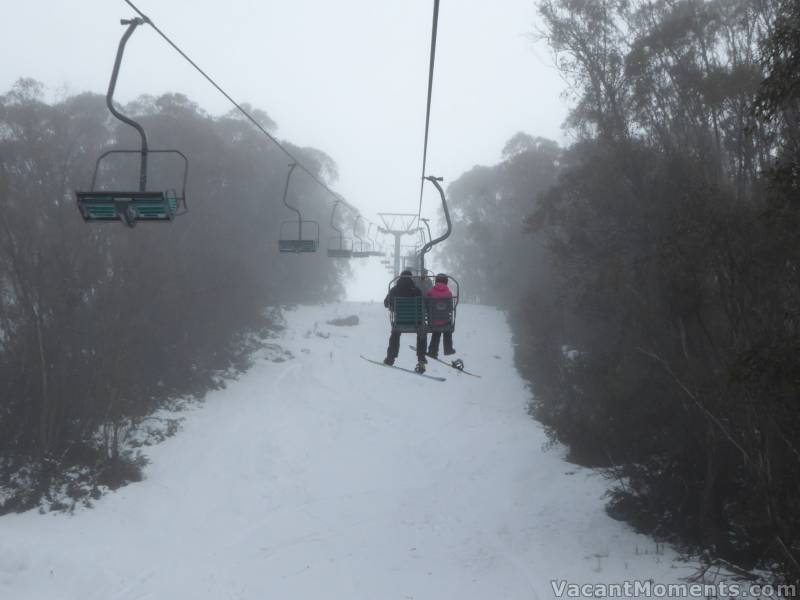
x: 327, y: 477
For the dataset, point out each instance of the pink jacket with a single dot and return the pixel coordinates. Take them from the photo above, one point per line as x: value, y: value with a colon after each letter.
x: 439, y: 291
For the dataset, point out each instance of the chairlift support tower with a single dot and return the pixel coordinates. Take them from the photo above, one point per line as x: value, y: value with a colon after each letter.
x: 391, y: 222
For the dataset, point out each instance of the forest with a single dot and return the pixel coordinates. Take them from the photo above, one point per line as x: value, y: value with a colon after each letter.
x: 650, y: 270
x: 102, y: 324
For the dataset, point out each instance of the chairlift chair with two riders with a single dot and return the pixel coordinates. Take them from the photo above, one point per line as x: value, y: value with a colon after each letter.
x: 132, y: 206
x: 429, y: 315
x: 418, y: 314
x: 287, y: 242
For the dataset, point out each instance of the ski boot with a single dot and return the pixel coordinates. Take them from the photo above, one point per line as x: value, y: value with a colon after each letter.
x: 458, y: 364
x: 420, y: 368
x: 388, y: 361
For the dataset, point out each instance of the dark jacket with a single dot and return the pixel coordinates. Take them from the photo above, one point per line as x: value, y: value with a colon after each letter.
x: 404, y: 288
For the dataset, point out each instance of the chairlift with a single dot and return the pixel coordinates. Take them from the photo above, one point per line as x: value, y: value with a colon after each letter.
x: 417, y: 314
x: 376, y: 250
x: 411, y: 259
x: 424, y: 315
x: 287, y: 243
x: 337, y: 246
x: 361, y: 251
x: 131, y: 206
x: 428, y: 227
x: 427, y: 247
x: 340, y: 248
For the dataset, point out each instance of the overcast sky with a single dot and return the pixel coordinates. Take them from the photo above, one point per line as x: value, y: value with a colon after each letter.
x: 348, y: 77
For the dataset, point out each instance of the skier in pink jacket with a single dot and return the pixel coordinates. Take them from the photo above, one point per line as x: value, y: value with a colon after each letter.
x: 440, y: 291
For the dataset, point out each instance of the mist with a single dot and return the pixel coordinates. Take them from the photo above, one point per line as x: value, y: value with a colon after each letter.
x: 619, y: 194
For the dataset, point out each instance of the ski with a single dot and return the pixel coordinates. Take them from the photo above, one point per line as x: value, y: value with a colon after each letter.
x: 451, y: 365
x: 379, y: 363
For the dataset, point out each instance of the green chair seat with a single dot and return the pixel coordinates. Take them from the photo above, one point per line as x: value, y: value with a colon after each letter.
x: 408, y: 314
x: 297, y: 245
x: 126, y: 206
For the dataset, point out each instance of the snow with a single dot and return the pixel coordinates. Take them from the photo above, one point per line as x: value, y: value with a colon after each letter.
x: 327, y: 477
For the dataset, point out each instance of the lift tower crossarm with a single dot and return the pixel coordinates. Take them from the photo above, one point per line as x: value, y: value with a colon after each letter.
x: 391, y: 222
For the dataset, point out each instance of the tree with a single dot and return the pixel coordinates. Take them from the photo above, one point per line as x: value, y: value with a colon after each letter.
x: 99, y: 325
x: 488, y: 205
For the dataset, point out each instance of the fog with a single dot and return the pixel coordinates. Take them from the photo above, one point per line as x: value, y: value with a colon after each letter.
x: 645, y: 259
x: 347, y: 77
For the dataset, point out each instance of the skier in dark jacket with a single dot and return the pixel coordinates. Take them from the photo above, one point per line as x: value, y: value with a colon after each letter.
x: 405, y: 288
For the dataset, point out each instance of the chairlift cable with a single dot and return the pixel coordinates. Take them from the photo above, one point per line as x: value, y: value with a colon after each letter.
x: 434, y: 29
x: 238, y: 106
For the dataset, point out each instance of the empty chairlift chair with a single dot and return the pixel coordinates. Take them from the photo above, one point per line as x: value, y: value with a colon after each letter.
x: 141, y: 204
x: 294, y: 235
x: 338, y: 247
x: 376, y: 249
x: 131, y: 207
x: 360, y: 250
x: 302, y: 243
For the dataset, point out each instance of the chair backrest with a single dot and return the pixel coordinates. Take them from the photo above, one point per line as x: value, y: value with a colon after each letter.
x: 407, y: 314
x: 290, y: 240
x: 129, y: 207
x: 297, y: 245
x: 339, y: 253
x: 440, y: 311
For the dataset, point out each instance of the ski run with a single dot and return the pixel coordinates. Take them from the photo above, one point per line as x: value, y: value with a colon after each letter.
x: 323, y: 476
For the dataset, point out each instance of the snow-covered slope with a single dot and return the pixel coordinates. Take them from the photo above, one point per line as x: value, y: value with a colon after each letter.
x: 328, y: 477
